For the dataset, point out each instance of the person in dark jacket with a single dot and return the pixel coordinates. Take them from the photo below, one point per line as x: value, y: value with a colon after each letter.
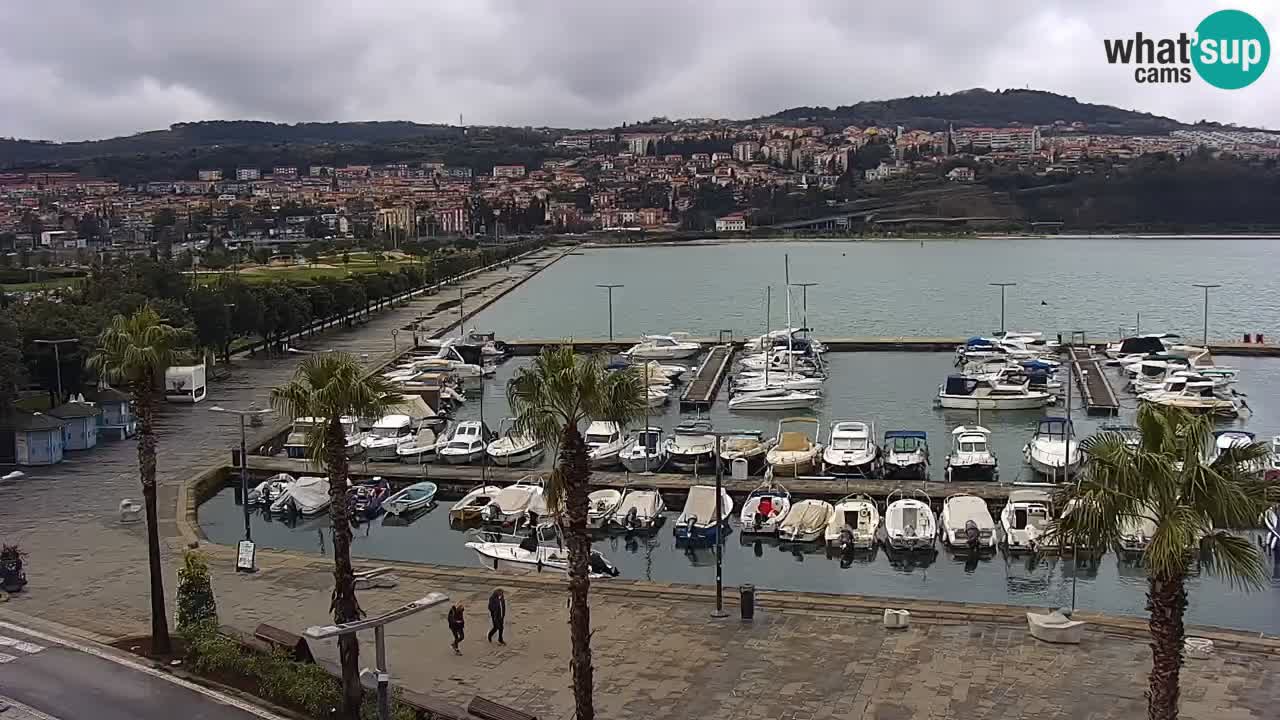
x: 456, y: 625
x: 497, y: 614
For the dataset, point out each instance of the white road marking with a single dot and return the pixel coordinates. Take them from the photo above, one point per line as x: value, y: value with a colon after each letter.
x: 20, y: 646
x: 139, y: 667
x: 6, y: 658
x: 24, y: 712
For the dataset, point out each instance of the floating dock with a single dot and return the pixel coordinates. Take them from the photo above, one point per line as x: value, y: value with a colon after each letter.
x: 702, y: 390
x: 1095, y: 387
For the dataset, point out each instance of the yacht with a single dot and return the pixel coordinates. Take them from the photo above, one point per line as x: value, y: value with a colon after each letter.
x: 851, y: 451
x: 513, y: 501
x: 675, y: 346
x: 511, y: 448
x: 471, y: 507
x: 764, y: 509
x: 466, y: 444
x: 806, y: 521
x: 971, y: 457
x: 1048, y: 454
x: 604, y: 441
x: 967, y: 523
x: 909, y: 523
x: 854, y: 524
x: 1010, y: 391
x: 792, y: 362
x: 698, y: 522
x: 906, y: 454
x: 640, y: 510
x: 601, y: 504
x: 774, y: 399
x: 690, y: 451
x: 795, y: 452
x: 411, y: 499
x: 1025, y: 520
x: 747, y: 382
x: 1194, y: 396
x: 645, y: 451
x: 750, y: 446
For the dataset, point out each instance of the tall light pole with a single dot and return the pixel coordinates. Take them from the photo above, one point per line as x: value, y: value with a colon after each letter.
x: 57, y: 359
x: 251, y: 411
x: 462, y: 316
x: 703, y: 428
x: 1206, y: 287
x: 1002, y: 286
x: 804, y: 303
x: 610, y: 289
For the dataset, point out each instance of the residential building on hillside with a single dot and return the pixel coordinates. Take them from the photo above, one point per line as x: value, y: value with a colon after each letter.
x: 734, y: 222
x: 508, y: 171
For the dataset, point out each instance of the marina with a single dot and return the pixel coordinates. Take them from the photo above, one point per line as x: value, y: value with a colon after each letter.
x: 702, y: 391
x: 1095, y: 386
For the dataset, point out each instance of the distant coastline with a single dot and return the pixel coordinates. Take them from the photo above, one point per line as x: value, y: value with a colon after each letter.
x: 727, y: 239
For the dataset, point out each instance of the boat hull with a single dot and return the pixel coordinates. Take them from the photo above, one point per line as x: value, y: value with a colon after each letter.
x: 637, y: 464
x: 911, y: 471
x: 692, y: 462
x: 972, y: 473
x: 867, y: 467
x: 516, y: 458
x: 967, y: 402
x: 460, y: 458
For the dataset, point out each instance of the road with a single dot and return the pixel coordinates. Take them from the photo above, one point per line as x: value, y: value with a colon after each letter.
x: 48, y: 677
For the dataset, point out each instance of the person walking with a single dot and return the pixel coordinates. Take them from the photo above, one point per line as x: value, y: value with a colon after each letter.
x: 497, y: 614
x: 457, y: 624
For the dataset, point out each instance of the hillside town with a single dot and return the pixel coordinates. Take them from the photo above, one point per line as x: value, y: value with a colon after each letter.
x: 590, y: 181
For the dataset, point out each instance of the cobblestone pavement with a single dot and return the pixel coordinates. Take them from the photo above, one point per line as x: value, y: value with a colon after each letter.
x: 659, y: 656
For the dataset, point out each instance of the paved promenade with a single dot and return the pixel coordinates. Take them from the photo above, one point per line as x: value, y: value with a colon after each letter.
x: 657, y: 653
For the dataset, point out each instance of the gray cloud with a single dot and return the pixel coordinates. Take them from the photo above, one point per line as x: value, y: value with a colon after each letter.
x: 72, y: 70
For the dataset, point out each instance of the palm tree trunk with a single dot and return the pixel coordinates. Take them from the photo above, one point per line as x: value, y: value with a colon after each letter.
x: 144, y: 401
x: 345, y: 607
x: 576, y: 471
x: 1166, y: 603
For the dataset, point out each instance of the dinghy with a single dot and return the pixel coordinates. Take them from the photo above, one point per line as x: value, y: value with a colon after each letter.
x: 270, y: 490
x: 411, y: 499
x: 601, y: 504
x: 806, y: 521
x: 366, y: 499
x: 471, y: 506
x: 764, y: 509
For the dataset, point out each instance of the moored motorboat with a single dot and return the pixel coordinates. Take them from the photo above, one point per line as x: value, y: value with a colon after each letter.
x: 411, y: 499
x: 764, y: 509
x: 774, y: 399
x: 298, y: 443
x: 1053, y: 450
x: 645, y: 451
x: 421, y: 449
x: 306, y: 495
x: 1271, y: 521
x: 971, y: 457
x: 967, y: 523
x: 640, y: 510
x: 513, y: 501
x: 1184, y: 392
x: 387, y: 435
x: 690, y: 450
x: 466, y: 444
x: 269, y: 490
x: 698, y: 521
x: 366, y: 499
x: 471, y: 507
x: 605, y: 440
x: 806, y: 521
x: 1025, y: 520
x: 512, y: 448
x: 854, y: 523
x: 851, y: 451
x: 601, y: 504
x: 909, y: 523
x: 750, y: 446
x: 906, y: 454
x: 675, y: 346
x: 527, y: 556
x: 1009, y: 391
x: 1136, y: 532
x: 795, y: 452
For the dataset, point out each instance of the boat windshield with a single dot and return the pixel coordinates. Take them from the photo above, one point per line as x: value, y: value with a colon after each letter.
x: 905, y: 444
x: 973, y: 445
x: 599, y: 439
x: 460, y: 444
x: 649, y: 440
x: 849, y: 443
x: 387, y: 432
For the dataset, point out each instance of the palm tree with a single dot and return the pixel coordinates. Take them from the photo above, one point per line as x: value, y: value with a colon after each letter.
x: 331, y: 386
x: 133, y: 351
x: 1166, y: 480
x: 550, y: 399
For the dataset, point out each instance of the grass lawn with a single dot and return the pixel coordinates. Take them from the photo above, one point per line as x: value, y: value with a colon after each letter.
x: 41, y: 285
x: 260, y: 274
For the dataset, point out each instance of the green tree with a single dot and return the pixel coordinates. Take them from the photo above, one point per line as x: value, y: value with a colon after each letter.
x: 551, y: 399
x: 164, y: 217
x: 196, y: 604
x: 330, y: 386
x: 1166, y: 481
x: 262, y: 256
x: 133, y: 351
x: 10, y: 362
x: 212, y: 318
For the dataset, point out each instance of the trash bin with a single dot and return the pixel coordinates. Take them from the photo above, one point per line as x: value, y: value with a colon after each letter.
x: 235, y: 457
x: 747, y: 601
x: 738, y: 469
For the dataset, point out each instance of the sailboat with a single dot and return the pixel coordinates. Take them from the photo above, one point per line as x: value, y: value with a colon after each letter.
x: 763, y: 395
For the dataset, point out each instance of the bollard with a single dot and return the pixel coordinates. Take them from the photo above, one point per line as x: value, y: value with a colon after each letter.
x: 1246, y: 338
x: 747, y: 601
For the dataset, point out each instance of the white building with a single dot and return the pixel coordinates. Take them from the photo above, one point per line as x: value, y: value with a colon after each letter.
x: 244, y: 174
x: 731, y: 223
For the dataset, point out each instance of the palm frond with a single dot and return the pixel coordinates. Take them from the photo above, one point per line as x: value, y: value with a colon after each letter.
x: 332, y: 385
x: 1234, y: 559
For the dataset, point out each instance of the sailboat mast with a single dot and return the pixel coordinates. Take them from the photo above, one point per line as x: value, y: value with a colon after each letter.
x: 768, y: 339
x: 791, y: 358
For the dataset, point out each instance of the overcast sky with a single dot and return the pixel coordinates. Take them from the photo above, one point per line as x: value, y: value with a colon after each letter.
x: 100, y: 68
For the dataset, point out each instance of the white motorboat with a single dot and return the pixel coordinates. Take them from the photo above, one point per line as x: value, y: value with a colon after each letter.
x: 1138, y: 345
x: 764, y: 509
x: 656, y: 397
x: 645, y: 451
x: 971, y: 457
x: 851, y: 451
x: 909, y: 523
x: 1010, y: 391
x: 512, y: 448
x: 662, y: 373
x: 967, y: 523
x: 490, y: 346
x: 421, y: 449
x: 776, y: 338
x: 691, y: 451
x: 601, y: 504
x: 749, y: 445
x: 307, y: 495
x: 1136, y: 532
x: 1224, y: 440
x: 1048, y: 452
x: 905, y: 454
x: 1147, y: 375
x: 513, y: 501
x: 806, y: 521
x: 791, y: 362
x: 530, y: 557
x: 471, y: 507
x: 297, y: 442
x: 1025, y: 520
x: 466, y: 444
x: 749, y: 382
x: 270, y: 490
x: 388, y: 434
x: 854, y: 524
x: 1195, y: 396
x: 795, y: 452
x: 640, y: 510
x: 675, y: 346
x: 411, y: 499
x: 697, y: 521
x: 604, y: 441
x: 774, y: 399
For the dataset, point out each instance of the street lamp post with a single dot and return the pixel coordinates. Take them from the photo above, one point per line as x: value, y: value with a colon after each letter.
x: 804, y: 303
x: 57, y: 359
x: 1206, y: 287
x: 702, y: 427
x: 1002, y: 286
x: 462, y: 316
x: 610, y: 289
x: 251, y: 411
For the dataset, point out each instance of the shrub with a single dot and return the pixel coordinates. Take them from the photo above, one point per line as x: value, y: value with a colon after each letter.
x: 196, y: 605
